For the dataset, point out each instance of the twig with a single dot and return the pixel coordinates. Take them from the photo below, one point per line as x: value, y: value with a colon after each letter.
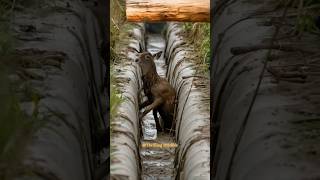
x: 115, y: 24
x: 197, y: 76
x: 246, y: 49
x: 13, y: 5
x: 286, y: 75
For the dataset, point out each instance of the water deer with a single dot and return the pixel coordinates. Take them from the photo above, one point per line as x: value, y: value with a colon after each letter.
x: 160, y: 94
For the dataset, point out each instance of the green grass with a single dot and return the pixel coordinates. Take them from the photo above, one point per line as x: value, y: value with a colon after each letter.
x: 308, y: 10
x: 117, y: 32
x: 305, y: 12
x: 115, y: 99
x: 117, y: 21
x: 198, y: 34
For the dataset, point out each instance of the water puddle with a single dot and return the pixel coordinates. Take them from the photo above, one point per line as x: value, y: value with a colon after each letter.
x: 157, y: 161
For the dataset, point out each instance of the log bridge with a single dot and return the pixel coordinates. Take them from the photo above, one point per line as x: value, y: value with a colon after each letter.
x: 168, y: 10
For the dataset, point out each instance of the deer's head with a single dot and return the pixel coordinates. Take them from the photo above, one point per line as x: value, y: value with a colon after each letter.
x: 146, y: 61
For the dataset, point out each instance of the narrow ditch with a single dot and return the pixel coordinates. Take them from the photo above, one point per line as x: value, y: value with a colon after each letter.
x: 157, y: 162
x: 130, y: 155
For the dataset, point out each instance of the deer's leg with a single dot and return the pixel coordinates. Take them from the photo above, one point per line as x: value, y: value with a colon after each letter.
x: 156, y: 119
x: 155, y: 115
x: 144, y: 104
x: 152, y: 106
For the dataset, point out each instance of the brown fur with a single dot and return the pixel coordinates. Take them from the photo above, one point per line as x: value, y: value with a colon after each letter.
x: 161, y: 95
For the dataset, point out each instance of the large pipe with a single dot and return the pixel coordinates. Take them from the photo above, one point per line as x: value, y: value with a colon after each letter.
x: 70, y: 91
x: 266, y: 106
x: 125, y: 158
x: 192, y: 113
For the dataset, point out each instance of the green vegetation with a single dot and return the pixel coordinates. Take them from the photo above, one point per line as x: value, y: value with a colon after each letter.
x: 16, y: 128
x: 305, y: 12
x: 198, y: 35
x: 308, y: 11
x: 115, y: 99
x: 117, y: 21
x: 117, y: 24
x: 119, y: 32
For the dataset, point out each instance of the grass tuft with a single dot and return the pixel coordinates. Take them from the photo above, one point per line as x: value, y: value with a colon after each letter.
x: 117, y: 21
x: 198, y: 34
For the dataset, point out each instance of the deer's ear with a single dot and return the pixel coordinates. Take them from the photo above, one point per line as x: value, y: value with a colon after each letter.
x: 157, y: 55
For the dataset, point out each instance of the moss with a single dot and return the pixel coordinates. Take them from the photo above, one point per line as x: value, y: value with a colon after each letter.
x: 117, y: 20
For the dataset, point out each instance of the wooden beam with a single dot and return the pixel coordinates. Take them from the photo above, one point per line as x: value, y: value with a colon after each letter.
x: 168, y: 10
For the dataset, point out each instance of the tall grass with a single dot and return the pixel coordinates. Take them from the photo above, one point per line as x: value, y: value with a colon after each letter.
x: 198, y: 35
x: 117, y: 21
x: 119, y: 32
x: 117, y: 24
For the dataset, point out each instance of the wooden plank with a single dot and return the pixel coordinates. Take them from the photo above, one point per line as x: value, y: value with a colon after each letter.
x: 168, y: 10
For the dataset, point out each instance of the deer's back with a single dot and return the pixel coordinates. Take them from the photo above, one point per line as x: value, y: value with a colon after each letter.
x: 163, y: 89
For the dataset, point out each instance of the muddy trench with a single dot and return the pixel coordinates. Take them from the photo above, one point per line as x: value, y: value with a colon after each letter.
x: 156, y: 162
x: 185, y: 149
